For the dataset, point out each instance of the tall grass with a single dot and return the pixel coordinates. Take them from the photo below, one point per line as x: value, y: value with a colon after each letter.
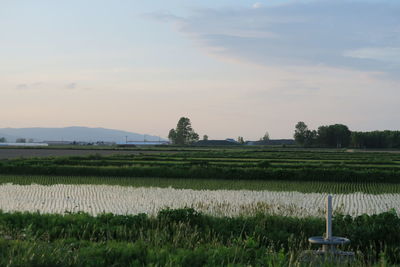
x: 179, y: 234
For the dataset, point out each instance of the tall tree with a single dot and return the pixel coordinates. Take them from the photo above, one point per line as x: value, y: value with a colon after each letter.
x: 300, y: 133
x: 184, y: 133
x: 240, y: 140
x: 265, y: 137
x: 336, y: 135
x: 3, y: 140
x: 310, y: 138
x: 376, y: 139
x: 172, y: 135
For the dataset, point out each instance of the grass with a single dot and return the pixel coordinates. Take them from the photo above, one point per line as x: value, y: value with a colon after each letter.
x: 184, y: 238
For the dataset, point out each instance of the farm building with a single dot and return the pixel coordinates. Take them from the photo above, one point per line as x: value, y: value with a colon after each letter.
x: 271, y: 142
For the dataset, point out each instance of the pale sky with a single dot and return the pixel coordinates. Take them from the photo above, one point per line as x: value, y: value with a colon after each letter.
x: 235, y: 68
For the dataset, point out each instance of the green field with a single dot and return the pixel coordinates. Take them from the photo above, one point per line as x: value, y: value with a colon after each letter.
x: 209, y: 184
x: 185, y: 237
x: 231, y: 164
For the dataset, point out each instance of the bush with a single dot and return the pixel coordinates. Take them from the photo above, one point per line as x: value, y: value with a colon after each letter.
x: 264, y: 164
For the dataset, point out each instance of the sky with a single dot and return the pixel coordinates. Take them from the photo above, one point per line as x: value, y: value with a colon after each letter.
x: 235, y: 68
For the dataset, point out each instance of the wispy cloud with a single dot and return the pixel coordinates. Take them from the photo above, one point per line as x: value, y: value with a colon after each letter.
x: 352, y: 34
x: 71, y: 86
x: 48, y: 86
x: 27, y: 86
x: 21, y: 86
x: 384, y: 54
x: 163, y: 16
x: 257, y: 5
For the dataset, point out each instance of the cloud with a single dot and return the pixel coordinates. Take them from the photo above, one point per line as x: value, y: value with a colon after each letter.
x: 257, y: 5
x: 71, y: 86
x: 360, y: 35
x: 27, y: 86
x: 21, y: 86
x: 385, y: 54
x: 163, y: 17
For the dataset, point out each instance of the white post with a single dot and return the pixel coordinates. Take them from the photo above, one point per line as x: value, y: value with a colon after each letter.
x: 328, y: 234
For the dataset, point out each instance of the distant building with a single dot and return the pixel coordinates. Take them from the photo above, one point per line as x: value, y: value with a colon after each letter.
x: 101, y: 143
x: 24, y: 144
x: 143, y: 143
x: 271, y: 142
x: 226, y: 142
x: 59, y: 143
x: 79, y: 143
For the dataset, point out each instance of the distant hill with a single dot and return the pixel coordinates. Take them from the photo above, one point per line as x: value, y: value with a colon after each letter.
x: 83, y: 134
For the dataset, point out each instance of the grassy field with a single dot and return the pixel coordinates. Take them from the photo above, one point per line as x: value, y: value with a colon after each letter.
x: 186, y: 237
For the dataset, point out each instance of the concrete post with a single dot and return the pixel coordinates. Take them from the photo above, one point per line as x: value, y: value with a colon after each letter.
x: 328, y: 218
x: 328, y: 233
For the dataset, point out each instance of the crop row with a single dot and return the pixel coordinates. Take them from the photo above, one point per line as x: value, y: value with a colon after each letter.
x: 287, y: 160
x: 337, y: 174
x: 209, y: 162
x: 96, y: 199
x: 208, y: 184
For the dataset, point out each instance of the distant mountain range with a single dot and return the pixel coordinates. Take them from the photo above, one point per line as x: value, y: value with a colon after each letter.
x: 83, y: 134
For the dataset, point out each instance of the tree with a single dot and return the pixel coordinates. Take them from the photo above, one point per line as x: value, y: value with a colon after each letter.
x: 310, y: 138
x: 265, y: 137
x: 240, y: 140
x: 342, y: 135
x: 376, y: 139
x: 172, y: 135
x: 3, y: 140
x: 336, y: 135
x: 20, y: 140
x: 300, y: 133
x: 205, y: 137
x: 184, y: 133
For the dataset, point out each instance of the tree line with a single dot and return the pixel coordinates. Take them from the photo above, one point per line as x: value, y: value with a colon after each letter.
x: 339, y: 135
x: 184, y: 134
x: 330, y: 136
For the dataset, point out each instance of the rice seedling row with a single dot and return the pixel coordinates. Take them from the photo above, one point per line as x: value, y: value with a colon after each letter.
x: 95, y: 199
x: 208, y: 184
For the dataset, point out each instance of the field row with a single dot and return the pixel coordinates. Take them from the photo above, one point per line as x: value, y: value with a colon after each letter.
x: 96, y: 199
x: 214, y: 164
x: 207, y: 184
x: 233, y: 160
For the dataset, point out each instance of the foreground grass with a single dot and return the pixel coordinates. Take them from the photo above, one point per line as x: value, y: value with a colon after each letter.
x: 184, y: 238
x: 208, y: 184
x: 78, y: 253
